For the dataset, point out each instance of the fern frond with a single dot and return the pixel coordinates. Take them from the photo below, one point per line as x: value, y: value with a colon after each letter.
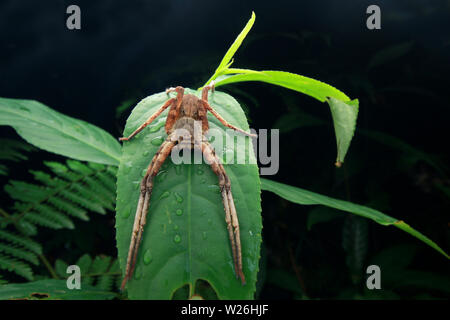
x: 69, y: 191
x: 16, y: 266
x: 24, y: 242
x: 69, y: 208
x: 19, y: 253
x: 13, y: 150
x: 102, y: 272
x: 74, y: 189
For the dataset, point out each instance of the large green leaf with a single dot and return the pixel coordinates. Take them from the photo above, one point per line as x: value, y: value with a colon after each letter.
x: 185, y: 238
x: 52, y: 289
x: 52, y: 131
x: 305, y: 197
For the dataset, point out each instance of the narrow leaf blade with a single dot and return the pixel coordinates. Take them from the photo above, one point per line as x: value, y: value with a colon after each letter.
x: 305, y: 197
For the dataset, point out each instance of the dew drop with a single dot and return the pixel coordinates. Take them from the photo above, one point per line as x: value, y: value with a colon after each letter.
x: 250, y: 232
x: 24, y: 108
x: 214, y: 188
x: 157, y: 126
x: 175, y: 227
x: 179, y: 212
x: 146, y: 153
x: 157, y: 141
x: 209, y: 221
x: 203, y: 181
x: 204, y: 236
x: 199, y: 171
x: 138, y: 273
x: 144, y: 172
x: 177, y: 238
x: 178, y: 197
x: 147, y: 256
x: 211, y: 139
x: 126, y: 213
x: 161, y: 176
x: 164, y: 195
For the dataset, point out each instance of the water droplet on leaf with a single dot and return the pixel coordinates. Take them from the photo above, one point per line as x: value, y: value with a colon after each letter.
x: 138, y: 273
x: 164, y: 195
x: 177, y: 238
x: 147, y: 256
x: 157, y: 126
x: 161, y: 176
x: 179, y: 212
x: 178, y: 197
x: 157, y: 141
x: 214, y: 188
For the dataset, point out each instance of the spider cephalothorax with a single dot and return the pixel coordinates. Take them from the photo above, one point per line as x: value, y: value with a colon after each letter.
x: 184, y: 112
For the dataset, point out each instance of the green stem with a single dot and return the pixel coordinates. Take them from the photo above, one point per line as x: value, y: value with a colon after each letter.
x: 48, y: 266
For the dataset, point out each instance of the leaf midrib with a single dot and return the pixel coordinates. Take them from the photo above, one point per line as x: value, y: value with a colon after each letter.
x: 189, y: 212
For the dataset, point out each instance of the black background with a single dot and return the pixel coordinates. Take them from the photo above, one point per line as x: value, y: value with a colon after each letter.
x: 131, y: 49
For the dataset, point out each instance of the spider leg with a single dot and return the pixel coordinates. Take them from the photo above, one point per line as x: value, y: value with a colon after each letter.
x: 223, y: 121
x: 205, y: 90
x: 177, y: 100
x: 228, y: 204
x: 143, y: 205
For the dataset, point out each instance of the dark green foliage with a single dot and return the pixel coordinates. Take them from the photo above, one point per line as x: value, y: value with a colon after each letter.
x: 52, y: 289
x: 12, y: 150
x: 73, y: 190
x: 102, y: 272
x: 69, y: 191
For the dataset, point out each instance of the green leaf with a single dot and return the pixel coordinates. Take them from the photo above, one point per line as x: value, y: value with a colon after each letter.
x: 344, y: 118
x: 225, y: 63
x: 305, y: 197
x: 311, y: 87
x: 52, y: 290
x: 52, y: 131
x: 186, y: 238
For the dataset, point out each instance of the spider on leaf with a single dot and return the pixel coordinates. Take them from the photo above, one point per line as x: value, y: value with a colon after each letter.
x: 185, y: 110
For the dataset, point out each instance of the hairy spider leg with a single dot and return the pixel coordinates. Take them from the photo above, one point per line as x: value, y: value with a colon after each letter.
x: 228, y: 203
x: 223, y: 121
x: 174, y: 102
x: 143, y: 204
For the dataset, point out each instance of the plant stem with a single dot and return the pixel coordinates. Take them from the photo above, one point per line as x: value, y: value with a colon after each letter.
x: 48, y: 266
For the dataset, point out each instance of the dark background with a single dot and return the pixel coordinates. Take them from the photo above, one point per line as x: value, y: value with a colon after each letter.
x: 131, y: 49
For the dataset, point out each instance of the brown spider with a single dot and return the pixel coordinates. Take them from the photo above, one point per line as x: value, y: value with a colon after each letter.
x: 184, y: 111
